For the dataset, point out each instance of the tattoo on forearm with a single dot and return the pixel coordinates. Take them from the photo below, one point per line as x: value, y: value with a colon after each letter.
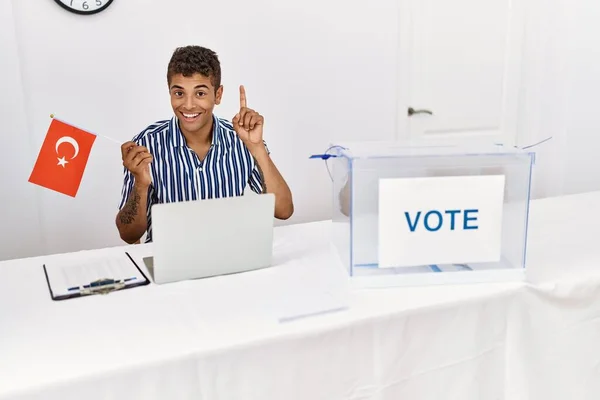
x: 262, y: 179
x: 130, y: 210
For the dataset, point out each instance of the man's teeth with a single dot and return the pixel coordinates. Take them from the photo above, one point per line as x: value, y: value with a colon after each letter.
x: 190, y: 115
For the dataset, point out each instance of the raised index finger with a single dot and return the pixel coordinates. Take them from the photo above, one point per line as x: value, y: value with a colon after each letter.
x: 242, y: 97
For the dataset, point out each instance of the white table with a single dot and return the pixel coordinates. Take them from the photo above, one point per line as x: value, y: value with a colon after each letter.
x: 555, y: 319
x: 213, y: 338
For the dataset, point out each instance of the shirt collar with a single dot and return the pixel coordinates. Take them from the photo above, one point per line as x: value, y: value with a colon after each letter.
x: 178, y: 140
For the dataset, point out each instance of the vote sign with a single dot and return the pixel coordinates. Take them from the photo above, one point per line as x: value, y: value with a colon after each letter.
x: 440, y: 220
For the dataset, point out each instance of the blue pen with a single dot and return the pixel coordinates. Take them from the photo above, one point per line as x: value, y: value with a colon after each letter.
x: 101, y: 283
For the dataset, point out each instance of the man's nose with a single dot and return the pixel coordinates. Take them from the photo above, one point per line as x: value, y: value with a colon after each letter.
x: 189, y: 103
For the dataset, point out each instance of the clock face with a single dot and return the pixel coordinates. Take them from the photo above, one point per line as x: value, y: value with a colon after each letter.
x: 84, y: 6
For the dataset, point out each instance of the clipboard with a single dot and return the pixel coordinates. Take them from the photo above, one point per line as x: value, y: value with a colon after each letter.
x: 100, y: 286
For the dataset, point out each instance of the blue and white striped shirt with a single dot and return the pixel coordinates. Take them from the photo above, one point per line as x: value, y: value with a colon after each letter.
x: 179, y: 175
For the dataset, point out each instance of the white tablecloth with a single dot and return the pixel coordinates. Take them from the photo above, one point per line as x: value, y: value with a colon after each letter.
x: 216, y: 338
x: 555, y: 320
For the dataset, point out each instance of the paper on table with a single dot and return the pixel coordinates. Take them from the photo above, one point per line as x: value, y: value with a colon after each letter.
x: 74, y: 273
x: 311, y: 286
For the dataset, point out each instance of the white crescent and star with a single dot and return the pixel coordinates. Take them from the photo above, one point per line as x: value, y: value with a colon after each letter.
x: 66, y: 139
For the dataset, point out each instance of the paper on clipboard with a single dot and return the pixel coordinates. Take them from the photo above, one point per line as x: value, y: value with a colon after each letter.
x: 68, y: 277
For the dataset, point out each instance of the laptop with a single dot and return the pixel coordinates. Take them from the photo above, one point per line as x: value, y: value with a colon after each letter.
x: 205, y: 238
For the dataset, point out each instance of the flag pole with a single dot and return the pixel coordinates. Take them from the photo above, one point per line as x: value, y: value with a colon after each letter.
x: 96, y: 134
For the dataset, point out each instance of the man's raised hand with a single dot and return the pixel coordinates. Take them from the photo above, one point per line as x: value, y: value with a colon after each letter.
x: 248, y: 123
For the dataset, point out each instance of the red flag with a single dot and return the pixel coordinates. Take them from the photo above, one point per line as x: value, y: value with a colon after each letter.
x: 62, y: 158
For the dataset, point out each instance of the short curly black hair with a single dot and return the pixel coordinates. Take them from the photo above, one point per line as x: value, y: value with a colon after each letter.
x: 189, y: 60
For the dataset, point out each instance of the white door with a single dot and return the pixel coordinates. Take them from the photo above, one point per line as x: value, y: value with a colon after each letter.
x: 460, y: 63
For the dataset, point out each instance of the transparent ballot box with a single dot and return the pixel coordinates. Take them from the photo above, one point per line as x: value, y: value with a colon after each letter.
x: 413, y: 215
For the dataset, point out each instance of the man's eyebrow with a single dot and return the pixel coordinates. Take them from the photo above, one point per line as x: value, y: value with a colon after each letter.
x: 195, y: 87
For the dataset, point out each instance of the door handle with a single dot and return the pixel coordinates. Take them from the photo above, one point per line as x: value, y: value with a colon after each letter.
x: 412, y: 111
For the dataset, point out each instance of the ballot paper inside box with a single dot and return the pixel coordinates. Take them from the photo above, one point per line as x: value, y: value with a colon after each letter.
x: 416, y: 214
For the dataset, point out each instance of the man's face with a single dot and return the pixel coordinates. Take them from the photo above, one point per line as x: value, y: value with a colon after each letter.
x: 193, y: 100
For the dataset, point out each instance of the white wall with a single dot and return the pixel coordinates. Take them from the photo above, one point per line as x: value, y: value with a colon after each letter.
x: 582, y: 130
x: 318, y: 71
x: 560, y: 95
x: 20, y: 232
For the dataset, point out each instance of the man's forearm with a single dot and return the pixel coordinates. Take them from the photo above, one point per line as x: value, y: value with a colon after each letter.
x: 273, y: 182
x: 131, y: 220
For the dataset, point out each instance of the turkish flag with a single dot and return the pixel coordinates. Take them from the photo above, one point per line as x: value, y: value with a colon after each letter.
x: 62, y: 158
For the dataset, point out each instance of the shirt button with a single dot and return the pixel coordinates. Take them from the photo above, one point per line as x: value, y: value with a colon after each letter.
x: 199, y: 168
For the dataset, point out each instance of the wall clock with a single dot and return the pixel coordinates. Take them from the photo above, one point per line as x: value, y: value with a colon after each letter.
x: 84, y: 7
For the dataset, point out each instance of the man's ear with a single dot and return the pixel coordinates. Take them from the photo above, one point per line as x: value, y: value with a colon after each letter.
x: 219, y: 95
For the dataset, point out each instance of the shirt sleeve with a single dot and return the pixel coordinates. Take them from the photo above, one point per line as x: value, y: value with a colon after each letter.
x: 256, y: 179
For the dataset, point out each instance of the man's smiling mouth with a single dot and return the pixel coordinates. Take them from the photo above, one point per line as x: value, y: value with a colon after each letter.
x: 190, y: 116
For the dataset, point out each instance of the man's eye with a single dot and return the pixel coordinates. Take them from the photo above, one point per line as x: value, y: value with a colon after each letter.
x: 178, y: 93
x: 200, y: 94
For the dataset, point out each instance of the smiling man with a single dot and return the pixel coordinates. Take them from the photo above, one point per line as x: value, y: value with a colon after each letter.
x: 196, y: 155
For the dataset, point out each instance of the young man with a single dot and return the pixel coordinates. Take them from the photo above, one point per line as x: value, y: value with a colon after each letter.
x: 195, y: 154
